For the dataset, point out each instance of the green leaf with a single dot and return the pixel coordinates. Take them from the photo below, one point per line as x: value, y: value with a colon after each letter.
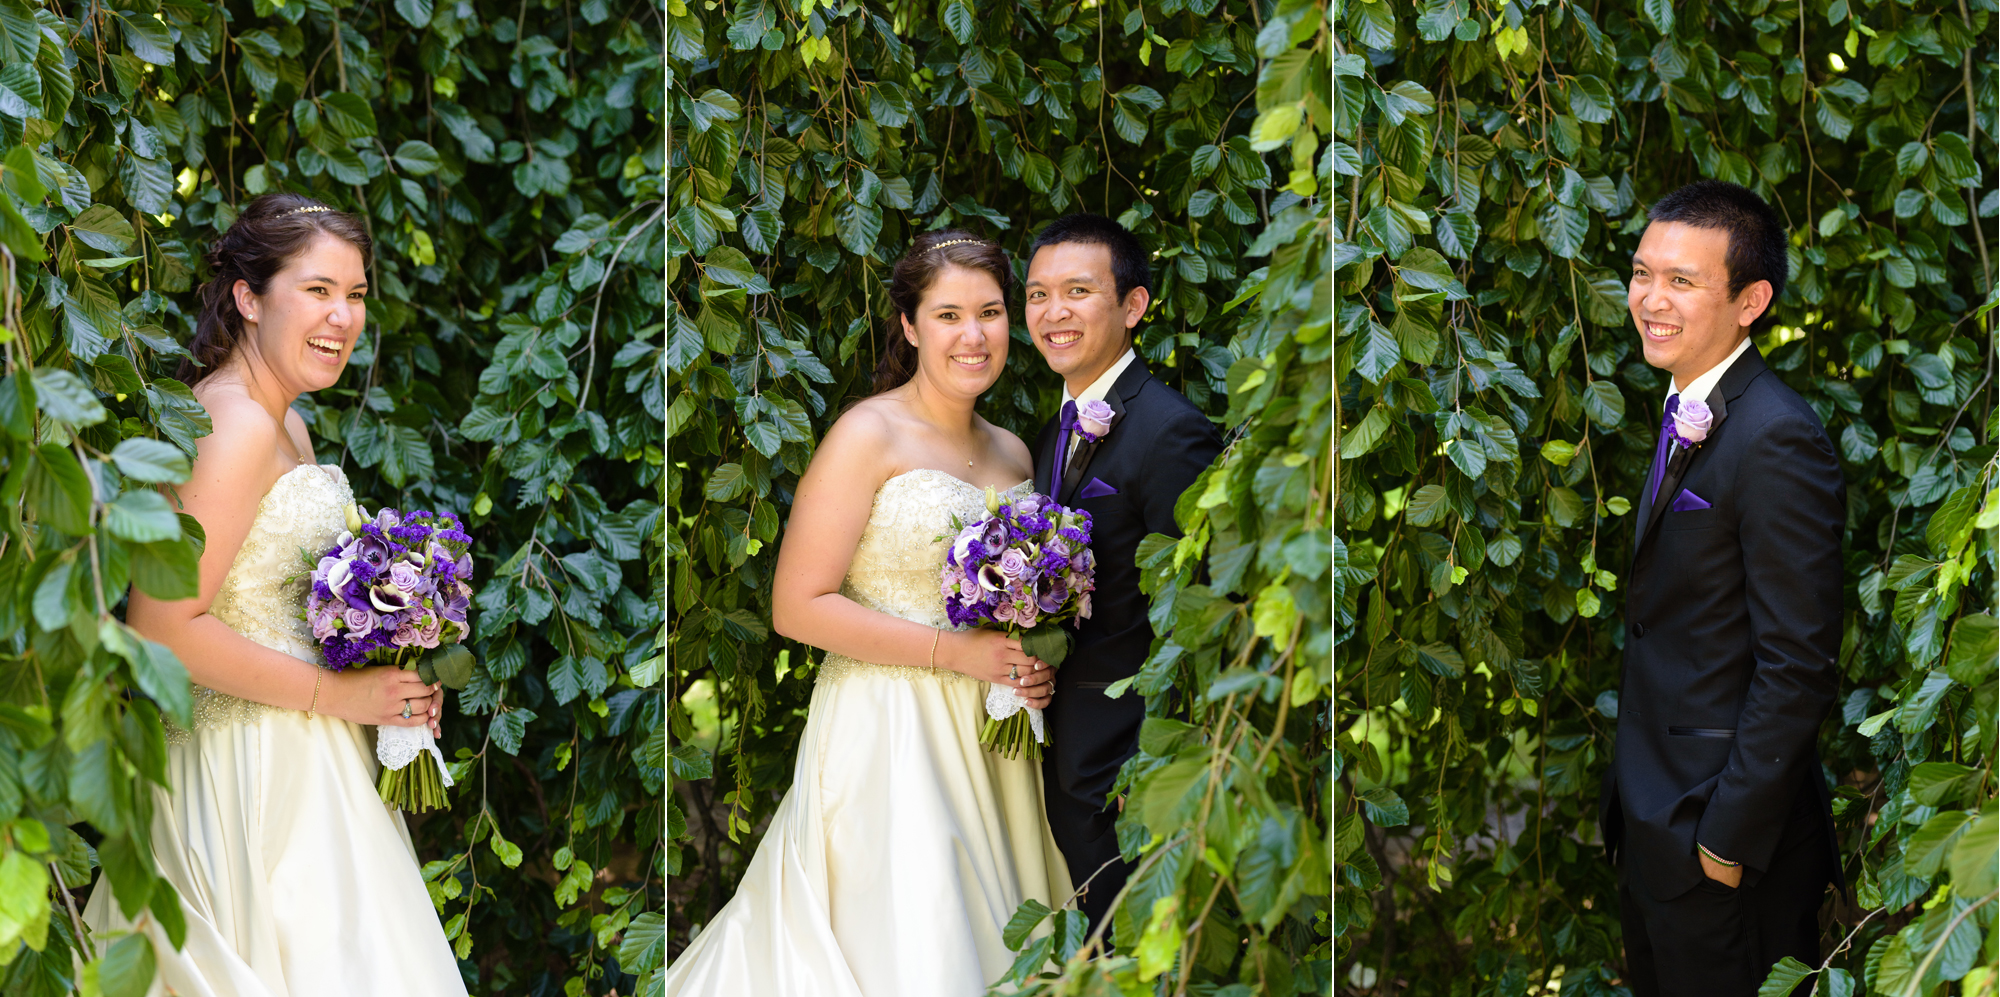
x: 126, y: 970
x: 152, y: 461
x: 142, y: 516
x: 417, y: 13
x: 859, y: 225
x: 1788, y: 971
x: 58, y: 494
x: 101, y: 228
x: 348, y: 114
x: 958, y: 20
x: 415, y: 157
x: 1975, y: 644
x: 1924, y: 852
x: 147, y: 38
x: 1026, y: 917
x: 1604, y: 404
x: 1385, y: 808
x: 1975, y: 859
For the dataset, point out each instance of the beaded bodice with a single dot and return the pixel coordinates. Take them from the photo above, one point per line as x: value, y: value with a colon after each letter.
x: 265, y: 589
x: 901, y: 553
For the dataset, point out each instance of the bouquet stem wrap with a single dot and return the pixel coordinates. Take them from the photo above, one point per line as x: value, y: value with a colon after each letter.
x: 408, y: 783
x: 1012, y: 726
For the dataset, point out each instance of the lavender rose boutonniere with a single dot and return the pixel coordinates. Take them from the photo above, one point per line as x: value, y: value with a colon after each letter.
x: 1094, y: 419
x: 1691, y: 423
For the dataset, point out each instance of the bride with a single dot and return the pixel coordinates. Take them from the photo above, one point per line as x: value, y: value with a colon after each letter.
x: 294, y: 878
x: 903, y: 847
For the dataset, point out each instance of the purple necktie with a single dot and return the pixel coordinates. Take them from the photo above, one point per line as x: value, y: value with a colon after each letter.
x: 1660, y: 451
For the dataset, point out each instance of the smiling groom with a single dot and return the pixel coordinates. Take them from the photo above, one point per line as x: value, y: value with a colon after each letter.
x: 1715, y: 796
x: 1123, y: 448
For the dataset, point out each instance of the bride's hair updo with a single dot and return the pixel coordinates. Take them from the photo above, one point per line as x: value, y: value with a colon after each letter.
x: 914, y: 274
x: 271, y: 231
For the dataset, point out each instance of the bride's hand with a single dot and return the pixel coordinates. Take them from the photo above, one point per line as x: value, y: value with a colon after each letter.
x: 990, y: 655
x: 376, y: 696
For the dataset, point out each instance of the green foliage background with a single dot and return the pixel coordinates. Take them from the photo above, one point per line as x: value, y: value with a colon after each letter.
x: 508, y: 159
x: 808, y: 144
x: 1494, y: 163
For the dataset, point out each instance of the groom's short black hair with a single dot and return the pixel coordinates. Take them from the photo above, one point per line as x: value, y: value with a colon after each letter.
x: 1756, y: 235
x: 1129, y: 268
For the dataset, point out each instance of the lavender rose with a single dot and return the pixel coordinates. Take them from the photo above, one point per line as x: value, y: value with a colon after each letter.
x: 359, y: 622
x: 1094, y: 418
x: 1692, y: 421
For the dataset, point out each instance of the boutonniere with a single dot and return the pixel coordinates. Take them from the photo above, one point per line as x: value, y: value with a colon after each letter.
x: 1691, y: 424
x: 1094, y: 420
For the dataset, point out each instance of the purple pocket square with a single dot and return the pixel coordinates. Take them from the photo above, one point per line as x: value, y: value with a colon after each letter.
x: 1096, y: 489
x: 1688, y: 501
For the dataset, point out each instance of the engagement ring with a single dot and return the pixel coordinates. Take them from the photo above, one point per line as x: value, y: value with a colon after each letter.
x: 406, y: 709
x: 1014, y: 672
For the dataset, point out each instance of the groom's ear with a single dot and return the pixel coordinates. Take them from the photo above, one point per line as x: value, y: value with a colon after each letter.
x: 1753, y: 303
x: 1136, y: 301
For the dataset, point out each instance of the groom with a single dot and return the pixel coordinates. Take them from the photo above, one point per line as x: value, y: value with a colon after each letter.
x: 1123, y: 449
x: 1733, y: 601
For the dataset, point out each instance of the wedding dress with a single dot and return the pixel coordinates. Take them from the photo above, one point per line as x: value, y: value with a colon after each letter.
x: 295, y: 879
x: 902, y: 848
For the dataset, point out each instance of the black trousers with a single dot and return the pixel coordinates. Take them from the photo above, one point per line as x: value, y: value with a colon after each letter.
x: 1715, y: 941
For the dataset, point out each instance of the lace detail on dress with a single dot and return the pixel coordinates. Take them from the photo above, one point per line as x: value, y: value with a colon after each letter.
x: 896, y: 563
x: 305, y: 509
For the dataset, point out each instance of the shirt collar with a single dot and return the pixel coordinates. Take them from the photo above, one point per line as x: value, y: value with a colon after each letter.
x: 1102, y: 386
x: 1699, y: 388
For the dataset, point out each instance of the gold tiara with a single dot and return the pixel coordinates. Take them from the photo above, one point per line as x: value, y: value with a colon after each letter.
x: 309, y: 207
x: 954, y: 242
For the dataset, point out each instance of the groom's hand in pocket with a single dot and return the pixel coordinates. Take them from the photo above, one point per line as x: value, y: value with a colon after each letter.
x: 1728, y: 875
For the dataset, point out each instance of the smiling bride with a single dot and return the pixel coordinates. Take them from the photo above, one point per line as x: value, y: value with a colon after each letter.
x: 294, y: 879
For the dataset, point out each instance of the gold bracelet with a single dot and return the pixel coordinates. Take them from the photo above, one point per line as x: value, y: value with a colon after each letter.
x: 936, y: 632
x: 318, y: 674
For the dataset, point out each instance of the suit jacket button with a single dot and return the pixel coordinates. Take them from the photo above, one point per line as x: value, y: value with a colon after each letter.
x: 1638, y: 630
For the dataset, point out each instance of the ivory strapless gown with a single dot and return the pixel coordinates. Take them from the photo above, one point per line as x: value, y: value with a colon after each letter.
x: 903, y: 847
x: 295, y: 879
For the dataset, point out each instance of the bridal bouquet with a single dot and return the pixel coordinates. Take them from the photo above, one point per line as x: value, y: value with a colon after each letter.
x: 393, y: 590
x: 1026, y: 568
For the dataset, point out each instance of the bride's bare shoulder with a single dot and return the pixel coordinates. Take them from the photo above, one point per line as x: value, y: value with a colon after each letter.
x: 242, y: 440
x: 866, y: 431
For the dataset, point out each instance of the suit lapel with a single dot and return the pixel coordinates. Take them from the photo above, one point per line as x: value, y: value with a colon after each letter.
x: 1122, y: 391
x: 1741, y: 373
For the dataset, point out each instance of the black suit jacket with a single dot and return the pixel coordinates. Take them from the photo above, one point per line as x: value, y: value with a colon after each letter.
x: 1732, y: 639
x: 1157, y: 447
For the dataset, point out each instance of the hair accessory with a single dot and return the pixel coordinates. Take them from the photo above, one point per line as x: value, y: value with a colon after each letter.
x: 954, y: 242
x: 307, y: 208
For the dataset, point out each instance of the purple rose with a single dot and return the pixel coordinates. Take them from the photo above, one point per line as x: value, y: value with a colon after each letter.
x: 1029, y: 504
x: 428, y: 634
x: 359, y: 622
x: 325, y: 623
x: 1692, y: 421
x: 1013, y: 565
x: 405, y: 636
x: 404, y: 575
x: 1094, y: 418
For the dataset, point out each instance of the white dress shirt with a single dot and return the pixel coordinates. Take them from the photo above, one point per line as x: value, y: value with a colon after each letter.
x: 1096, y: 392
x: 1699, y: 388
